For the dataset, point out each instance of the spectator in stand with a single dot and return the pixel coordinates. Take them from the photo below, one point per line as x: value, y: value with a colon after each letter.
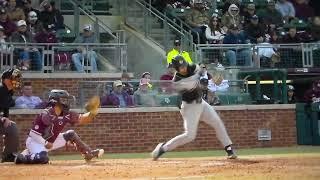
x: 26, y: 54
x: 292, y: 55
x: 303, y: 9
x: 313, y: 95
x: 315, y: 3
x: 315, y: 29
x: 147, y: 75
x: 266, y: 55
x: 270, y: 16
x: 198, y: 19
x: 249, y: 11
x: 172, y: 4
x: 144, y: 96
x: 286, y: 9
x: 118, y: 98
x: 292, y: 36
x: 177, y: 50
x: 219, y: 84
x: 255, y: 29
x: 169, y: 74
x: 214, y: 33
x: 50, y: 16
x: 231, y: 17
x: 15, y: 13
x: 227, y: 4
x: 3, y: 39
x: 166, y: 87
x: 161, y: 5
x: 45, y: 36
x: 127, y: 86
x: 274, y: 38
x: 34, y: 25
x: 232, y: 55
x: 6, y: 23
x: 27, y: 8
x: 87, y: 36
x: 291, y: 96
x: 206, y: 81
x: 27, y: 100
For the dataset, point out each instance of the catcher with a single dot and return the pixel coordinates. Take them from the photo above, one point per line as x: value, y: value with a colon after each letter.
x: 46, y: 135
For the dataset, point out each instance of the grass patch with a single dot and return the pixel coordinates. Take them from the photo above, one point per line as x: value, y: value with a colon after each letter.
x: 286, y: 151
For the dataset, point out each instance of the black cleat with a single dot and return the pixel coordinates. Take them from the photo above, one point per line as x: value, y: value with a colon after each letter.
x: 20, y: 159
x: 8, y: 158
x: 230, y: 152
x: 157, y: 152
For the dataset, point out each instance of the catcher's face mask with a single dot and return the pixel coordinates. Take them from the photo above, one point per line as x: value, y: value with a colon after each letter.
x: 66, y: 102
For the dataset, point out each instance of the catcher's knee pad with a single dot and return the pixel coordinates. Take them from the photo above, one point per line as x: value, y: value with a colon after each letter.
x: 71, y: 135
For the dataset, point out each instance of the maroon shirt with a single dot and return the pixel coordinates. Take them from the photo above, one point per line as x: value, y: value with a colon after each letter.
x: 49, y: 125
x: 311, y: 93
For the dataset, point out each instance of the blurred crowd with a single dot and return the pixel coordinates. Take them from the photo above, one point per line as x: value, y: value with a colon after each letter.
x: 20, y: 22
x: 257, y: 20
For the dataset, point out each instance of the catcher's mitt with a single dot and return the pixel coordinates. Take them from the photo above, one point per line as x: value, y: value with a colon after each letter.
x: 93, y: 105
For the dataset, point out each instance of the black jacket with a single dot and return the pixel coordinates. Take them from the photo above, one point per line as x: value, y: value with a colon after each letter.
x: 52, y: 18
x: 6, y: 100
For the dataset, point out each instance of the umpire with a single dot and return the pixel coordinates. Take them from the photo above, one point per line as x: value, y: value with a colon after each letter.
x: 10, y: 82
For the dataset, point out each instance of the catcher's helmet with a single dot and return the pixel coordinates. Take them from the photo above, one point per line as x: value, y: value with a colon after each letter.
x: 61, y: 97
x: 178, y: 61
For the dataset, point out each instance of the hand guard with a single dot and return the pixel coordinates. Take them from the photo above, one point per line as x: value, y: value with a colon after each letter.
x: 93, y: 105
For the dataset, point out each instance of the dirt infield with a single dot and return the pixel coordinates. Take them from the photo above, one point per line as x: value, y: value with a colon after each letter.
x: 260, y: 167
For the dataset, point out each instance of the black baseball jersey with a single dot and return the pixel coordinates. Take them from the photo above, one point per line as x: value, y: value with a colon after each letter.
x: 189, y: 85
x: 6, y: 100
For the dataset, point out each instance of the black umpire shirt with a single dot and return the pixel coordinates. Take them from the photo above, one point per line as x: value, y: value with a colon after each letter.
x: 6, y: 100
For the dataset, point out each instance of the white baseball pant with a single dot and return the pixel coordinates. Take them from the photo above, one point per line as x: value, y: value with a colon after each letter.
x: 192, y: 114
x: 34, y: 146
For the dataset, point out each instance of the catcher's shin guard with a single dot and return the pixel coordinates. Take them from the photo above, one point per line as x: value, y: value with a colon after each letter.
x: 38, y: 158
x: 85, y: 150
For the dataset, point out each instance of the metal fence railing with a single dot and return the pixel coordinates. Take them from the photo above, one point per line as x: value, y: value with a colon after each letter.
x: 261, y: 55
x: 109, y: 57
x: 144, y: 18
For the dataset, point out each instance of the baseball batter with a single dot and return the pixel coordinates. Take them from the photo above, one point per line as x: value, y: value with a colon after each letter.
x: 193, y: 110
x: 45, y: 134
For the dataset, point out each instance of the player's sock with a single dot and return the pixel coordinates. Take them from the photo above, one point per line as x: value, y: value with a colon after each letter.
x: 230, y: 152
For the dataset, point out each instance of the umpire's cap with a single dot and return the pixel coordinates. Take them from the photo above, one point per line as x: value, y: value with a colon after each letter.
x: 179, y: 61
x: 11, y: 73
